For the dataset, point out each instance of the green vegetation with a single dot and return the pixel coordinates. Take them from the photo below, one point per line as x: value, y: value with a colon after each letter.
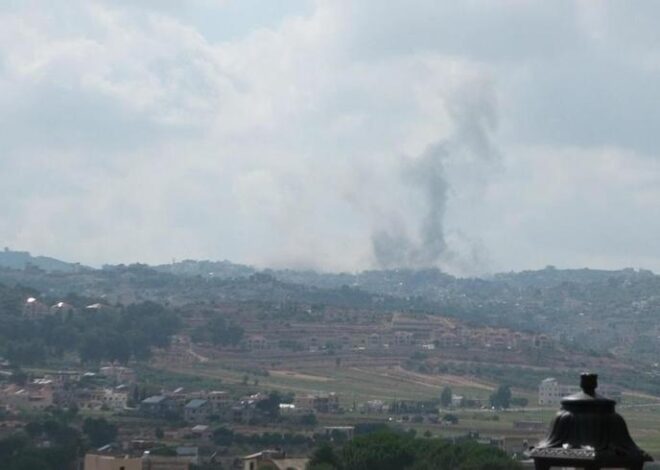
x: 25, y: 451
x: 111, y: 334
x: 501, y: 398
x: 445, y: 397
x: 387, y: 450
x: 218, y: 332
x: 99, y: 431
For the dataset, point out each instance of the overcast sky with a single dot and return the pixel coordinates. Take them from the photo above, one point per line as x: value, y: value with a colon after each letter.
x: 476, y: 136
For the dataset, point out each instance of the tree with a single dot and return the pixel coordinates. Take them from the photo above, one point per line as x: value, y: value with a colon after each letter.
x: 219, y: 332
x: 271, y: 405
x: 501, y: 399
x: 445, y: 397
x: 223, y: 437
x: 390, y: 450
x: 159, y: 433
x: 309, y: 420
x: 324, y: 457
x: 99, y: 431
x: 379, y: 451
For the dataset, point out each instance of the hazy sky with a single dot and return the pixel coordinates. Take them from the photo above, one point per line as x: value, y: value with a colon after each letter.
x: 477, y: 136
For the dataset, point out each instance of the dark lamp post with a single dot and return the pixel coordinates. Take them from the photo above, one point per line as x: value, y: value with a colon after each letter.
x: 588, y: 433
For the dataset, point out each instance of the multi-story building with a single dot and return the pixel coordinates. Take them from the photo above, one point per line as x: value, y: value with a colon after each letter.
x: 197, y: 411
x: 322, y: 403
x: 551, y: 391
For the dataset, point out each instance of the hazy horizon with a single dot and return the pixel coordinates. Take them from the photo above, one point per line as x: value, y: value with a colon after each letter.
x: 263, y: 267
x: 476, y: 137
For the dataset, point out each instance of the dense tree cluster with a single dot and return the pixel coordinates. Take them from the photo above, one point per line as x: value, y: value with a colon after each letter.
x: 114, y: 334
x: 219, y: 332
x: 99, y: 431
x: 26, y: 451
x: 388, y: 450
x: 501, y: 398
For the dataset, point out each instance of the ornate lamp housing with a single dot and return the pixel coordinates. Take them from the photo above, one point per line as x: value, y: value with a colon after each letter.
x: 588, y: 433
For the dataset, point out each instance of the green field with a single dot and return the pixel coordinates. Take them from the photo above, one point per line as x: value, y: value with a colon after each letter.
x: 351, y: 383
x: 359, y: 384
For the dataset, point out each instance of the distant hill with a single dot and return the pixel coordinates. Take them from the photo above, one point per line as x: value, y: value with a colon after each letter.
x: 430, y: 282
x: 205, y: 268
x: 23, y: 259
x: 551, y: 276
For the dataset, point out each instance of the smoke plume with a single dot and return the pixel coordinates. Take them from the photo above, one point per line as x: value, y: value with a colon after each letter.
x: 470, y: 145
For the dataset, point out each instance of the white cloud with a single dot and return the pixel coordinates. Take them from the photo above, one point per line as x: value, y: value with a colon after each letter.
x: 140, y: 133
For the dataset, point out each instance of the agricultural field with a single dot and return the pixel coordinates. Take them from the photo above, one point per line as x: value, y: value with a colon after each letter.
x: 351, y: 383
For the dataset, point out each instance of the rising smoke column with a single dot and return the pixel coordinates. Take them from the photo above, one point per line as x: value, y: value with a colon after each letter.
x: 473, y: 113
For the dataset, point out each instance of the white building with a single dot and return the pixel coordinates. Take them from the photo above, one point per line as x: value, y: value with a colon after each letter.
x: 551, y: 391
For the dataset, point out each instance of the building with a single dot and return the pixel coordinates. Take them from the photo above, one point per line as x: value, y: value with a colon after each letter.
x: 158, y: 406
x: 114, y: 399
x: 373, y: 406
x: 273, y: 460
x: 62, y: 307
x: 220, y: 400
x: 37, y: 395
x: 201, y: 432
x: 256, y: 342
x: 112, y: 462
x: 32, y: 308
x: 551, y: 391
x: 119, y: 374
x: 197, y: 411
x: 161, y: 462
x: 404, y: 338
x: 322, y: 403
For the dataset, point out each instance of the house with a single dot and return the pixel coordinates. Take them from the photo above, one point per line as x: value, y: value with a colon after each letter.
x: 97, y: 307
x: 119, y: 374
x: 191, y: 453
x: 158, y: 406
x: 197, y: 411
x: 202, y: 432
x: 112, y: 462
x: 37, y: 395
x: 32, y: 308
x: 373, y: 406
x: 256, y: 342
x: 220, y: 400
x: 322, y: 403
x: 542, y: 341
x: 114, y: 399
x: 273, y: 460
x: 62, y: 307
x: 161, y: 462
x: 404, y: 338
x: 456, y: 400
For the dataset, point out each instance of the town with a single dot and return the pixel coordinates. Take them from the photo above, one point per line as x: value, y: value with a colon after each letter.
x: 229, y: 381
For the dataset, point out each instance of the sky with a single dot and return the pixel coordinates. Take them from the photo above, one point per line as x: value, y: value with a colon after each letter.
x: 475, y: 136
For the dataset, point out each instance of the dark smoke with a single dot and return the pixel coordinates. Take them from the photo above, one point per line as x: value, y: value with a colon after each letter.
x: 474, y: 120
